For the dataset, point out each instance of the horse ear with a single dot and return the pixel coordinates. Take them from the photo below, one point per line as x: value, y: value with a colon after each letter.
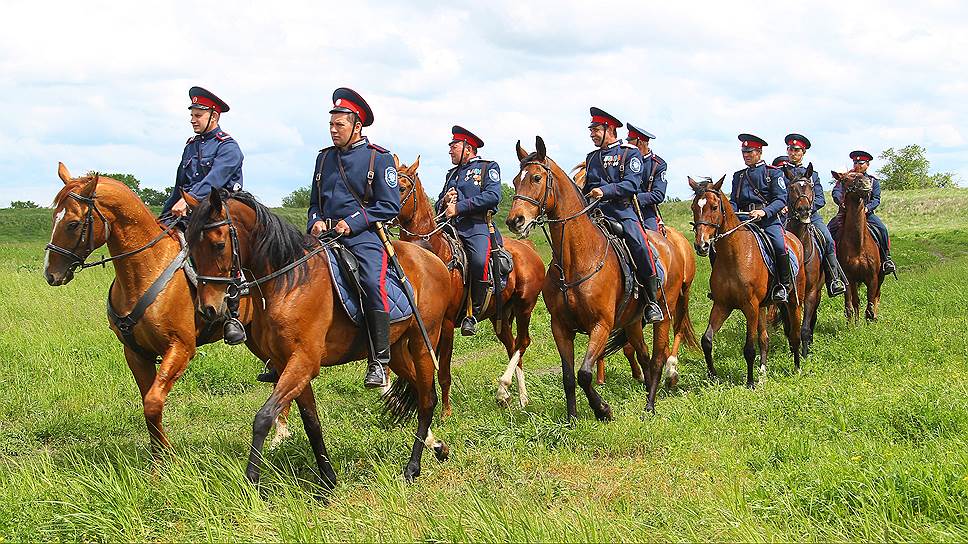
x: 835, y: 175
x: 788, y: 173
x: 63, y: 173
x: 809, y: 173
x: 521, y: 152
x: 415, y: 165
x: 396, y: 161
x: 692, y: 183
x: 91, y: 186
x: 719, y: 184
x: 189, y: 199
x: 215, y: 198
x: 539, y: 146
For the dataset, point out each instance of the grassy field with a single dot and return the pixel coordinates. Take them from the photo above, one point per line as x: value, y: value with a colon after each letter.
x: 868, y: 442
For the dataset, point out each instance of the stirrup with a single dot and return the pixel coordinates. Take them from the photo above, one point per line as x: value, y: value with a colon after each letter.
x: 375, y: 376
x: 888, y: 266
x: 836, y: 287
x: 233, y: 333
x: 269, y: 375
x: 468, y: 327
x: 653, y: 313
x: 780, y: 293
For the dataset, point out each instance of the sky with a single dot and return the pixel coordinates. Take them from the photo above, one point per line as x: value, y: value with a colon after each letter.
x: 104, y: 86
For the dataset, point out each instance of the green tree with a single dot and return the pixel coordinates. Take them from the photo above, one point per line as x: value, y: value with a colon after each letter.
x: 132, y: 182
x: 297, y: 199
x: 154, y: 197
x: 909, y: 168
x: 23, y: 204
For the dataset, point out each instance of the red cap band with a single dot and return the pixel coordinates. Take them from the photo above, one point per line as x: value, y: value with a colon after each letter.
x: 604, y: 121
x: 798, y: 143
x: 203, y: 101
x: 466, y: 138
x: 757, y: 145
x: 637, y: 135
x: 344, y: 103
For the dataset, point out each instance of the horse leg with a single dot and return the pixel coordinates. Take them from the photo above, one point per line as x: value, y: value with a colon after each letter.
x: 810, y: 303
x: 565, y: 342
x: 416, y: 358
x: 717, y: 316
x: 764, y: 339
x: 521, y: 342
x: 852, y: 303
x: 445, y: 353
x: 282, y: 431
x: 792, y: 327
x: 600, y: 365
x: 752, y: 314
x: 596, y: 343
x: 634, y: 363
x: 172, y: 366
x: 514, y: 356
x: 660, y: 352
x: 873, y: 298
x: 144, y: 375
x: 310, y: 418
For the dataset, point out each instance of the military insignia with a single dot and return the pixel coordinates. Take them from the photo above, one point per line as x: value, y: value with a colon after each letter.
x: 635, y: 165
x: 391, y: 176
x: 494, y: 175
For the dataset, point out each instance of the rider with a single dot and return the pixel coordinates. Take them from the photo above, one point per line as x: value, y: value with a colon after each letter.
x: 211, y: 160
x: 614, y: 175
x: 781, y: 160
x: 653, y: 189
x: 862, y: 161
x: 797, y: 146
x: 354, y: 187
x: 472, y: 192
x: 759, y: 190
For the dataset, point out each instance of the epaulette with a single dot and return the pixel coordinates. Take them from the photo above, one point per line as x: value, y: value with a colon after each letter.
x: 626, y: 144
x: 771, y: 167
x: 658, y: 159
x: 325, y: 149
x: 378, y: 148
x: 222, y: 136
x: 192, y: 139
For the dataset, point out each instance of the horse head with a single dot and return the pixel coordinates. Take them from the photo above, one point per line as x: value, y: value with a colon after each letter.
x: 536, y: 195
x: 855, y: 184
x: 79, y: 227
x: 409, y: 184
x: 708, y: 211
x: 800, y: 193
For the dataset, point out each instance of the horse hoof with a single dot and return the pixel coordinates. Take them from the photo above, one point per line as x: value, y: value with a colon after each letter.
x: 605, y: 414
x: 441, y: 451
x: 751, y: 385
x: 672, y: 380
x: 410, y: 473
x: 446, y: 412
x: 599, y: 382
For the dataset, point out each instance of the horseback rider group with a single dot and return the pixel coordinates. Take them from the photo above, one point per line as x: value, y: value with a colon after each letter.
x: 354, y: 192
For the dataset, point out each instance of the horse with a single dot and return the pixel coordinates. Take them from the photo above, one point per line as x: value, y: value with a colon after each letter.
x: 299, y: 325
x: 800, y: 197
x: 856, y: 248
x: 682, y: 324
x: 584, y: 289
x: 740, y: 278
x: 95, y: 210
x: 417, y: 224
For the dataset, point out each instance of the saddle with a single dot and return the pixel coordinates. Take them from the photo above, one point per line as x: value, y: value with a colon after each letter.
x: 344, y: 270
x: 769, y: 257
x: 500, y: 257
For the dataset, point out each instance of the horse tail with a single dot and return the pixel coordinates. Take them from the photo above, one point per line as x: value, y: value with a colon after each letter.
x: 616, y: 341
x: 685, y: 322
x: 400, y: 402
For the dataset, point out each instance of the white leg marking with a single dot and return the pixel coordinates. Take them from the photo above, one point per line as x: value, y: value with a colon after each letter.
x: 431, y: 441
x: 505, y: 380
x: 282, y: 433
x: 522, y: 390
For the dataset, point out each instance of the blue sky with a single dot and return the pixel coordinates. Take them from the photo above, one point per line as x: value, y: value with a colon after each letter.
x: 103, y: 86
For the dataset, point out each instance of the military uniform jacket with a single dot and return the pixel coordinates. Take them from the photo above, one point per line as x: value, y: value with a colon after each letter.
x: 478, y: 185
x: 617, y: 170
x: 341, y: 188
x: 837, y: 193
x: 760, y: 186
x: 818, y: 199
x: 653, y: 189
x: 211, y: 160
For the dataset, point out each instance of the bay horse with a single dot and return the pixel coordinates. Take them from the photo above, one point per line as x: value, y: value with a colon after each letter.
x: 800, y: 198
x: 583, y: 288
x: 857, y: 250
x: 740, y: 279
x: 93, y: 211
x: 682, y: 324
x: 417, y: 224
x: 299, y: 325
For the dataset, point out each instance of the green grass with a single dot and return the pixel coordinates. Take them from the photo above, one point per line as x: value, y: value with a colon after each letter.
x: 868, y: 442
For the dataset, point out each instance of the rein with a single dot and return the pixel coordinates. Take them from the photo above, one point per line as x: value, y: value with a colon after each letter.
x: 718, y: 226
x: 395, y: 222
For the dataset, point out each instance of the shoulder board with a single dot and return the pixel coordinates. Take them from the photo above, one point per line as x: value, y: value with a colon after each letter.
x: 658, y: 159
x: 190, y: 140
x: 325, y: 149
x: 378, y: 148
x: 771, y: 167
x: 223, y: 136
x: 626, y: 144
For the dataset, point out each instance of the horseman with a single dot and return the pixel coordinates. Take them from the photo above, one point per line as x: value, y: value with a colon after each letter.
x: 653, y: 189
x: 211, y: 161
x: 354, y: 188
x: 614, y: 175
x: 759, y: 191
x: 797, y: 146
x: 862, y: 161
x: 781, y: 161
x: 470, y: 196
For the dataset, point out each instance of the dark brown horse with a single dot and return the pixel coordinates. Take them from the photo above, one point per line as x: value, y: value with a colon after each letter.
x: 300, y: 326
x: 417, y: 224
x: 92, y: 211
x: 800, y: 197
x: 583, y: 287
x: 740, y: 279
x: 856, y: 248
x: 685, y: 257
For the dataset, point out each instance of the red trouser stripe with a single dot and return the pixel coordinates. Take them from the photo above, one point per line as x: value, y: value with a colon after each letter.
x: 487, y: 259
x: 648, y: 248
x: 383, y: 284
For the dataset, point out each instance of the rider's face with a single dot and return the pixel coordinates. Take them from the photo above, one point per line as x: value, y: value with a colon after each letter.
x: 201, y: 121
x: 861, y: 166
x: 342, y: 128
x: 751, y: 155
x: 795, y: 153
x: 597, y: 134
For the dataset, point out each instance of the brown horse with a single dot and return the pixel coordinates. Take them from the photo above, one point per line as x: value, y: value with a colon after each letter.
x: 800, y: 197
x: 583, y: 288
x: 92, y: 211
x: 856, y: 248
x: 685, y: 257
x: 299, y: 325
x: 740, y: 279
x: 417, y: 224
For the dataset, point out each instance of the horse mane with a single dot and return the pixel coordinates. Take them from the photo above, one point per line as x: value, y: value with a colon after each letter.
x: 275, y: 243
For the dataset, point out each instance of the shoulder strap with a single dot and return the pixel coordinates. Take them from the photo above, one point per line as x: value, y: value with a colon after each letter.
x: 318, y: 176
x: 368, y: 192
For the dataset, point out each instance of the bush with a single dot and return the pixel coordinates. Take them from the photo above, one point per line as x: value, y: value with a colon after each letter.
x: 23, y: 204
x: 297, y: 199
x: 908, y: 168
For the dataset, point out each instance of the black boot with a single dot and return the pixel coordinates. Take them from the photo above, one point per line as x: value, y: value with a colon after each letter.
x: 269, y: 375
x: 836, y: 284
x: 478, y: 293
x: 785, y: 279
x: 888, y: 265
x: 653, y: 312
x: 233, y: 333
x: 378, y: 329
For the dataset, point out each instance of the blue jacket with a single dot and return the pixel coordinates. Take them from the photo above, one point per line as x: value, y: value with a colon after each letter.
x: 837, y: 193
x: 211, y: 160
x: 818, y: 199
x: 478, y: 185
x: 618, y: 187
x: 341, y: 190
x: 761, y: 185
x: 652, y: 192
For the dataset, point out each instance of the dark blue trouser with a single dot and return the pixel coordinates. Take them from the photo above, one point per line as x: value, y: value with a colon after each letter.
x: 368, y: 249
x: 636, y: 240
x: 879, y: 226
x: 478, y: 248
x: 774, y: 233
x: 821, y: 227
x: 650, y: 223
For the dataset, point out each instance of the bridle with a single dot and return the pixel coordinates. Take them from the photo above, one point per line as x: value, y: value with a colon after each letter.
x: 807, y: 185
x: 412, y: 193
x: 717, y: 227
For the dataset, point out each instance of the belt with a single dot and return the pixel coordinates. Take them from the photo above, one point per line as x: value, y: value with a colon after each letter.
x: 750, y: 207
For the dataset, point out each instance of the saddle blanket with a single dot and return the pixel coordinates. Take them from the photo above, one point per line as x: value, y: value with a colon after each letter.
x: 767, y: 253
x: 400, y: 308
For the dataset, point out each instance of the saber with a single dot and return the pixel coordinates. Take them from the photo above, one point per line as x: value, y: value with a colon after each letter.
x: 407, y: 290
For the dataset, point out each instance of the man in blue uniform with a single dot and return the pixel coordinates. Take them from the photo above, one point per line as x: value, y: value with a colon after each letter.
x: 653, y: 189
x: 471, y: 193
x: 614, y: 175
x: 781, y: 161
x: 211, y: 161
x: 797, y: 146
x: 759, y: 191
x: 862, y: 161
x: 354, y: 187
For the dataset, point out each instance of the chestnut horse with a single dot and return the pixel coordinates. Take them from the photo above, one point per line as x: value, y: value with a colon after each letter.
x: 583, y: 287
x: 800, y: 197
x: 92, y: 211
x: 740, y: 279
x: 682, y: 324
x: 856, y: 248
x: 417, y: 224
x: 300, y: 326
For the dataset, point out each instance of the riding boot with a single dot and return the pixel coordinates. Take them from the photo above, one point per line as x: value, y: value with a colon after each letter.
x: 888, y: 265
x: 378, y: 329
x: 653, y: 312
x: 233, y: 333
x: 478, y: 293
x: 785, y: 278
x: 268, y: 375
x: 836, y: 284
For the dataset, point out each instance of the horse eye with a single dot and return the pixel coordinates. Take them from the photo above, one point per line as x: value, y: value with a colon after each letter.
x: 535, y: 177
x: 73, y: 225
x: 220, y: 247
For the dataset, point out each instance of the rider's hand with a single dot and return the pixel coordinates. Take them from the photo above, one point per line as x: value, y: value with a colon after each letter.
x: 451, y: 210
x: 596, y: 193
x: 342, y: 228
x: 757, y: 214
x: 318, y: 228
x: 451, y: 196
x: 180, y: 209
